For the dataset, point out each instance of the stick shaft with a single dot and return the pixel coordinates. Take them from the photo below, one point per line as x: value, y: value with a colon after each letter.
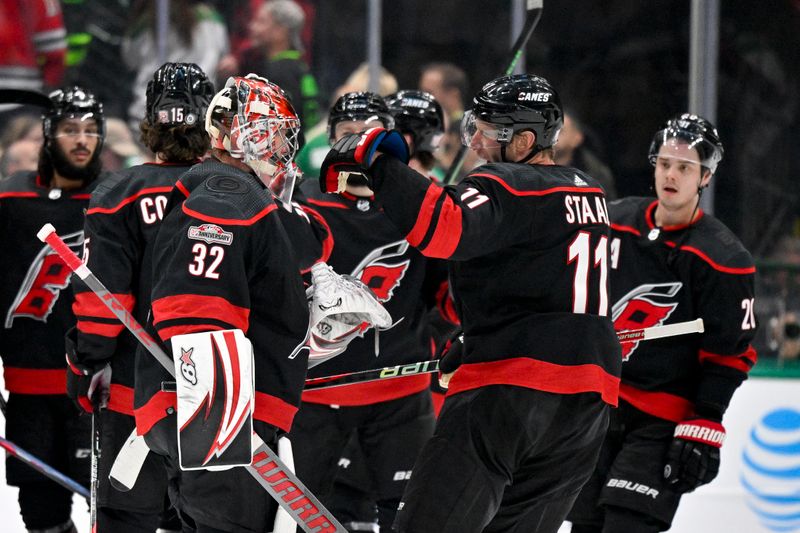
x: 267, y: 468
x: 432, y: 365
x: 43, y: 468
x: 534, y: 13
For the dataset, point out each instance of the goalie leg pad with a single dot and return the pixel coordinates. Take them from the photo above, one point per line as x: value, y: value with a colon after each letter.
x: 216, y: 394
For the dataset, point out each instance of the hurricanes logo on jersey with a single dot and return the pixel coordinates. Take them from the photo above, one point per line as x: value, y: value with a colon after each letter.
x: 43, y: 282
x: 381, y: 275
x: 645, y: 306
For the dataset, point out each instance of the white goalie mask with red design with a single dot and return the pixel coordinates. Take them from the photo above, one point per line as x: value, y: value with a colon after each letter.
x: 253, y: 120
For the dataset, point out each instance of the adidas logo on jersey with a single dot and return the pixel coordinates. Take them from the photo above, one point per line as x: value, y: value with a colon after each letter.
x: 633, y: 487
x: 580, y: 182
x: 533, y: 97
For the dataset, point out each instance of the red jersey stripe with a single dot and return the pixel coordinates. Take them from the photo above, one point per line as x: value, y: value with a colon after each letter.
x: 200, y: 307
x: 19, y: 195
x: 447, y: 234
x: 370, y: 392
x: 168, y: 333
x: 743, y: 362
x: 154, y: 410
x: 322, y: 203
x: 327, y: 244
x: 35, y: 380
x: 553, y: 190
x: 181, y: 187
x: 425, y: 215
x: 620, y: 227
x: 120, y: 399
x: 88, y: 304
x: 230, y: 221
x: 659, y: 404
x: 714, y: 265
x: 126, y: 201
x: 538, y: 375
x: 100, y: 328
x: 275, y: 411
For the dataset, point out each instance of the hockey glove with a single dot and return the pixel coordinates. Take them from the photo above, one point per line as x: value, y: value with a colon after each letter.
x: 85, y: 383
x: 352, y: 155
x: 449, y: 355
x: 693, y: 456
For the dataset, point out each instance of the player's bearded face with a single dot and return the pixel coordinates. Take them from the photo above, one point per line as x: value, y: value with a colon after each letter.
x: 483, y: 141
x: 74, y: 149
x: 678, y: 174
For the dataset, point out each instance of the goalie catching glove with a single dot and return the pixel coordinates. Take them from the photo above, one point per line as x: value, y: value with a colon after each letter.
x: 341, y: 309
x: 352, y: 155
x: 693, y: 456
x: 87, y: 384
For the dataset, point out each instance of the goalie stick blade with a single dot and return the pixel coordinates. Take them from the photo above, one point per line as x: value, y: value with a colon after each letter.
x: 128, y: 463
x: 20, y: 96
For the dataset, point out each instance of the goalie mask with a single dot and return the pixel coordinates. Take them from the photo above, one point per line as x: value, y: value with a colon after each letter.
x: 513, y: 104
x: 253, y: 120
x: 694, y: 131
x: 179, y: 93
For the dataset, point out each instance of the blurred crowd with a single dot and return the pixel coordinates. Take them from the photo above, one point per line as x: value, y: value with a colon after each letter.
x: 112, y: 47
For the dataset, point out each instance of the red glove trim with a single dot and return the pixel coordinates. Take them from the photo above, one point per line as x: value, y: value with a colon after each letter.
x: 699, y: 430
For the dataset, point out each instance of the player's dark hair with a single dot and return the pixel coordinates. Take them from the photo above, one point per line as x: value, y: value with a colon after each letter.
x: 175, y: 143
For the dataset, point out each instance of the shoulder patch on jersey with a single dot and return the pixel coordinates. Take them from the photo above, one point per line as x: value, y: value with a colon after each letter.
x: 210, y: 234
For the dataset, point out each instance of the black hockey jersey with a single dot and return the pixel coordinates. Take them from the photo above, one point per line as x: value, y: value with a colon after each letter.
x: 528, y: 246
x: 223, y: 260
x: 710, y: 276
x: 121, y: 225
x: 36, y: 295
x: 368, y: 246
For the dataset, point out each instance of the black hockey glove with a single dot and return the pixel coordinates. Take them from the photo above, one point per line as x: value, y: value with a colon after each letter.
x: 449, y: 355
x: 85, y: 383
x: 693, y: 456
x: 352, y: 155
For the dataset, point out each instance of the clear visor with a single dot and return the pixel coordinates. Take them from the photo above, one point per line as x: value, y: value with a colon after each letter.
x: 76, y: 124
x: 345, y: 127
x: 673, y: 143
x: 490, y: 135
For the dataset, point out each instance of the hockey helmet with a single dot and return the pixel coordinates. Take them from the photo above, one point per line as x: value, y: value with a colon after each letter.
x: 418, y: 114
x: 179, y: 93
x: 692, y: 130
x: 73, y: 102
x: 365, y: 106
x: 253, y: 120
x: 511, y: 104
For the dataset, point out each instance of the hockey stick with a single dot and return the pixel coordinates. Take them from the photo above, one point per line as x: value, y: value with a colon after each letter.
x: 21, y: 96
x: 267, y: 469
x: 43, y: 468
x: 534, y: 13
x: 95, y: 465
x: 37, y: 464
x: 432, y: 365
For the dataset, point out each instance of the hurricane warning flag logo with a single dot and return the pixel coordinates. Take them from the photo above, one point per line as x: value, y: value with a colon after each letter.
x: 645, y: 306
x: 380, y: 274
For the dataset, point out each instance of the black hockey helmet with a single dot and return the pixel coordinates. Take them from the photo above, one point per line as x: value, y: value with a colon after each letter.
x: 358, y: 106
x: 695, y: 131
x: 73, y: 102
x: 178, y: 93
x: 418, y: 114
x: 523, y: 102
